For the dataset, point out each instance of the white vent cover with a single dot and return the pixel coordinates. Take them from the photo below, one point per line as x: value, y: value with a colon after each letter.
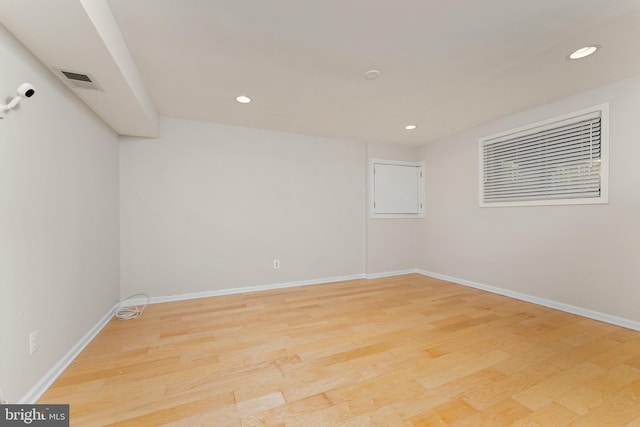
x: 560, y: 161
x: 79, y: 80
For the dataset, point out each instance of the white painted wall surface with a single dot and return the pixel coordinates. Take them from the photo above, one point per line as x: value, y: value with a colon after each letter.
x: 586, y: 256
x: 391, y: 243
x: 58, y: 220
x: 209, y: 207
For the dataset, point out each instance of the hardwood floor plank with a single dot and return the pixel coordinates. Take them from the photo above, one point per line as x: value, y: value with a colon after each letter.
x: 504, y: 413
x: 614, y: 411
x: 547, y: 391
x: 553, y: 415
x: 406, y: 350
x: 489, y: 393
x: 450, y: 413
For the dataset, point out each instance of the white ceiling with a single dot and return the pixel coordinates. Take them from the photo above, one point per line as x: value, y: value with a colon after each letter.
x: 445, y: 65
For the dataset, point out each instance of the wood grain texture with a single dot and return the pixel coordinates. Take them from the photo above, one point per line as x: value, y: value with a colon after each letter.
x: 400, y: 351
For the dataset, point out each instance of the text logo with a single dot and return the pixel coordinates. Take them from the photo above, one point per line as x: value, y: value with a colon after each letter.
x: 34, y: 415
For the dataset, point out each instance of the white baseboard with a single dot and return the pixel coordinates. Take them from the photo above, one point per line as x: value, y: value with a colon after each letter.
x: 245, y: 289
x: 391, y: 273
x: 268, y: 287
x: 607, y: 318
x: 45, y: 382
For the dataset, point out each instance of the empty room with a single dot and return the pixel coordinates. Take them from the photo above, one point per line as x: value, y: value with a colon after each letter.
x: 320, y: 213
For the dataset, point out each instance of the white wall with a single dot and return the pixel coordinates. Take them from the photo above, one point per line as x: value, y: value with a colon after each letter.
x: 58, y: 221
x: 391, y: 243
x: 208, y: 207
x: 586, y: 256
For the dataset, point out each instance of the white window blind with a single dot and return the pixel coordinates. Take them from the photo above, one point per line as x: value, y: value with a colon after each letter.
x: 557, y: 162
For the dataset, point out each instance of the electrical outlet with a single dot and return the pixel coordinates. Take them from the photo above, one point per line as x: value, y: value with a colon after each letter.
x: 276, y: 264
x: 34, y: 341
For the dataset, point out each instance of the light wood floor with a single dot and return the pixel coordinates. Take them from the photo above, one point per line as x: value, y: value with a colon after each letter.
x: 407, y: 350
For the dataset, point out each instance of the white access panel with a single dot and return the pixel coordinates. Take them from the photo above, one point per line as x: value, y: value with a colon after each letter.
x: 396, y: 189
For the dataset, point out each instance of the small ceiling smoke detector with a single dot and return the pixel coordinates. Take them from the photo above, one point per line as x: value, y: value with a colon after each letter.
x: 410, y: 127
x: 583, y: 52
x: 79, y: 80
x: 372, y: 74
x: 243, y: 99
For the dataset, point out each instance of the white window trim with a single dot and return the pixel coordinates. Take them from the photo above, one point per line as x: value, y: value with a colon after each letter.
x: 372, y: 213
x: 604, y: 156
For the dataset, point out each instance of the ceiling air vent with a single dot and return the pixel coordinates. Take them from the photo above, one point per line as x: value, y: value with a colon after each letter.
x: 79, y: 80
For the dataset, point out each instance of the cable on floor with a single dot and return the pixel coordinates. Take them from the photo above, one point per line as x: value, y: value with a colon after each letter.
x: 129, y: 312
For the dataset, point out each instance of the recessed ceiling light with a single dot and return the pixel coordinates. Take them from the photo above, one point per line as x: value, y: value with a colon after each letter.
x: 243, y: 99
x: 583, y: 52
x: 372, y: 74
x: 410, y: 127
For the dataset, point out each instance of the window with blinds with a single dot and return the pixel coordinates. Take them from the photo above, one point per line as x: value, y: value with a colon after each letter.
x: 559, y: 161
